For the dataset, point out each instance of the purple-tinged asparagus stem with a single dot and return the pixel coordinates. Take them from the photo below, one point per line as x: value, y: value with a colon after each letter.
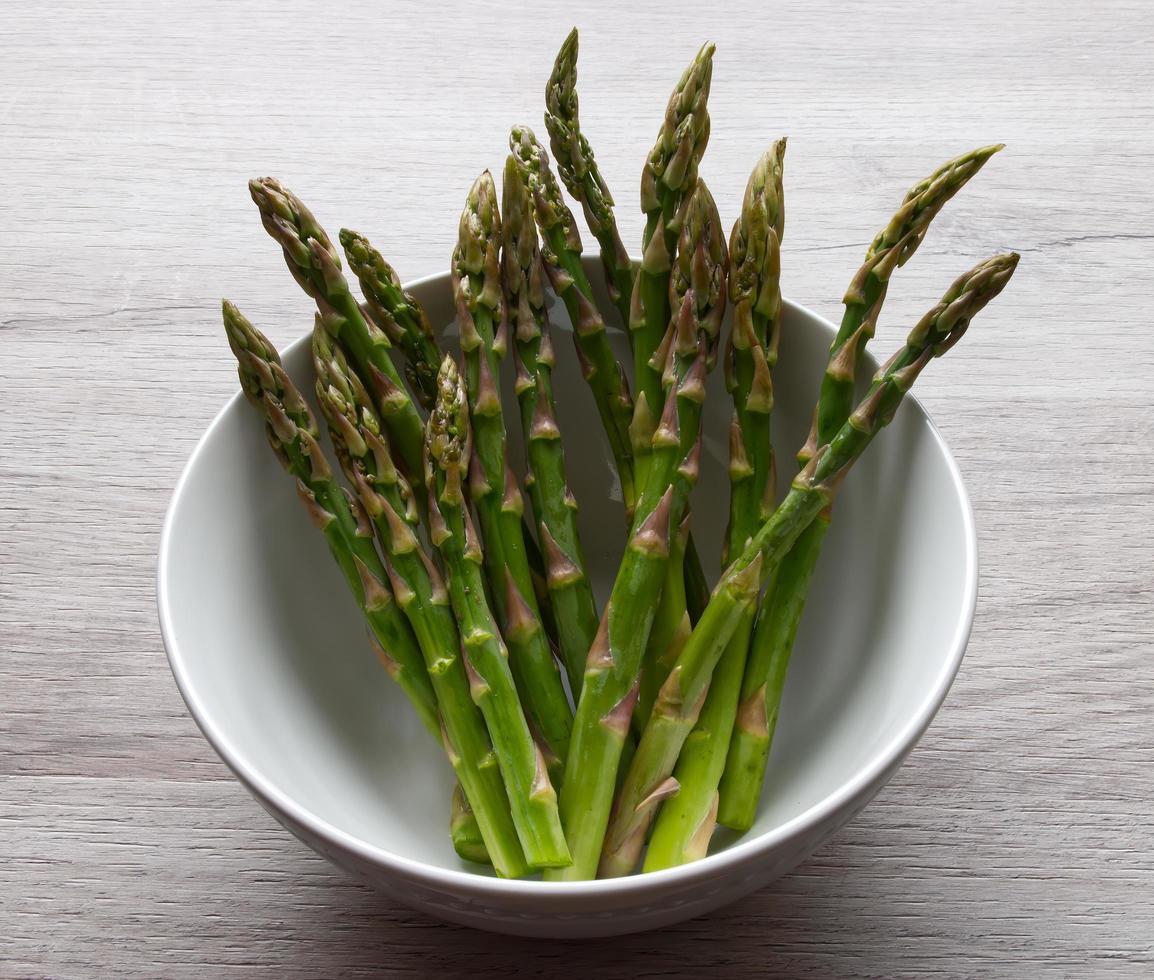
x: 561, y: 252
x: 316, y: 266
x: 397, y: 313
x: 626, y: 426
x: 667, y: 181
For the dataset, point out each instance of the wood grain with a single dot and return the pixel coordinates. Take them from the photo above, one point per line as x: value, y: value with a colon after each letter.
x: 1016, y: 841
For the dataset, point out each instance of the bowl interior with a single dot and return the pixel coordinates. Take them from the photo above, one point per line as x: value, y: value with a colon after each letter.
x: 271, y: 650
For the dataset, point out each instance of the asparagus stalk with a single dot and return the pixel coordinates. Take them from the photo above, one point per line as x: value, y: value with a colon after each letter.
x: 293, y: 434
x: 561, y: 252
x: 780, y: 613
x: 611, y: 676
x: 554, y: 505
x: 750, y: 374
x: 685, y: 823
x: 314, y: 263
x: 493, y: 489
x: 486, y: 660
x: 649, y: 778
x: 671, y: 628
x: 582, y: 176
x: 397, y: 313
x: 465, y: 831
x: 627, y: 426
x: 755, y: 292
x: 666, y: 183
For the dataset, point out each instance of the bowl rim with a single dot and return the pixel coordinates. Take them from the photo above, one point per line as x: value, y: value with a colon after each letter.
x: 454, y: 880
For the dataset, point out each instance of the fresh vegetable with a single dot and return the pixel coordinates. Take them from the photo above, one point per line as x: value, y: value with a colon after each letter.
x: 396, y: 312
x: 684, y: 826
x: 483, y: 654
x: 612, y: 675
x: 582, y: 177
x: 554, y: 506
x: 492, y: 487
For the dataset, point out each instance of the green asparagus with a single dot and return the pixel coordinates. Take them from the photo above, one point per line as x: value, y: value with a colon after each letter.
x: 561, y: 252
x: 678, y: 688
x: 292, y: 432
x: 685, y: 823
x: 554, y: 506
x: 485, y: 658
x: 611, y: 676
x: 397, y: 313
x: 387, y: 500
x: 780, y: 614
x: 666, y: 183
x: 627, y: 426
x: 813, y: 489
x: 492, y: 486
x: 582, y: 176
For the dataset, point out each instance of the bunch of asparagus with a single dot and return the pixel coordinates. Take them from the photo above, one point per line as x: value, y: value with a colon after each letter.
x: 585, y: 743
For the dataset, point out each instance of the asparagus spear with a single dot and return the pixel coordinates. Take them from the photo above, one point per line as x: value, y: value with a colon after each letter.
x: 561, y: 252
x: 666, y: 183
x: 397, y: 313
x: 671, y: 628
x: 685, y: 823
x: 675, y: 714
x: 780, y: 613
x: 611, y: 675
x: 554, y: 505
x: 293, y: 434
x: 493, y: 489
x: 626, y: 425
x: 486, y: 661
x: 465, y: 831
x: 315, y: 265
x: 581, y: 175
x: 673, y: 623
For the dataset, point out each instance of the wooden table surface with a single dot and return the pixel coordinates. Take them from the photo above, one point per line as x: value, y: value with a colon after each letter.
x: 1017, y: 839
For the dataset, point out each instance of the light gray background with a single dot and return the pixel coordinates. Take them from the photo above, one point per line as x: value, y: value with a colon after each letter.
x: 1016, y: 840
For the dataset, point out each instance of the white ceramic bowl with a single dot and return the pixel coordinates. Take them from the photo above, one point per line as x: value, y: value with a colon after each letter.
x: 270, y: 654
